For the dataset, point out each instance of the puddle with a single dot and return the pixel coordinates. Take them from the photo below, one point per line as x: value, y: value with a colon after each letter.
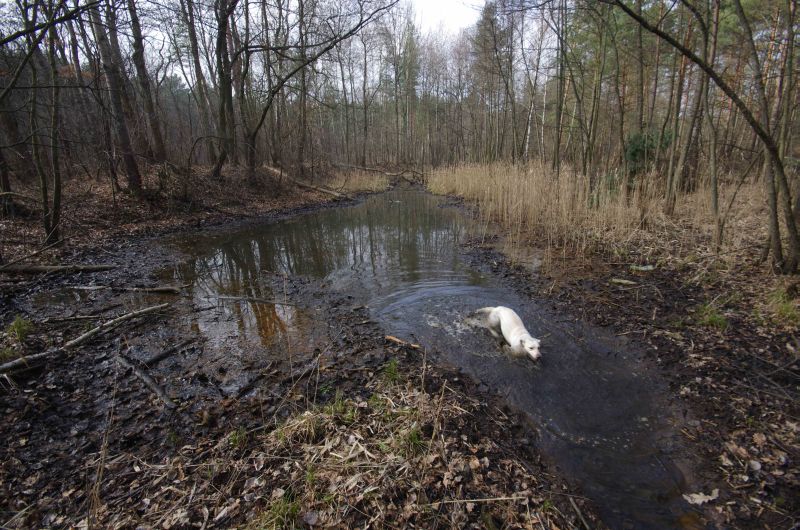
x: 603, y: 418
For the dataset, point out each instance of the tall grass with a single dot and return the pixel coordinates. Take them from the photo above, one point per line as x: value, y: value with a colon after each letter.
x: 568, y: 212
x: 532, y: 203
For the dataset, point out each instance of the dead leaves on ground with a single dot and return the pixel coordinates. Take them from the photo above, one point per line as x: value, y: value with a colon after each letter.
x: 402, y: 457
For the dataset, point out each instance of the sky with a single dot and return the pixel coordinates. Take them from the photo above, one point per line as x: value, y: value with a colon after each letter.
x: 453, y: 15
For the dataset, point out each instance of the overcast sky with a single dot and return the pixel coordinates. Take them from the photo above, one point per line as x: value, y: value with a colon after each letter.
x: 453, y: 15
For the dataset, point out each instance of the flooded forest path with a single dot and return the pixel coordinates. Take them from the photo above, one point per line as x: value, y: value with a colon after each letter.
x: 603, y: 416
x: 260, y: 298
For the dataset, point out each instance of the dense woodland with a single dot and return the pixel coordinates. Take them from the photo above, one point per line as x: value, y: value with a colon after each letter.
x: 681, y: 94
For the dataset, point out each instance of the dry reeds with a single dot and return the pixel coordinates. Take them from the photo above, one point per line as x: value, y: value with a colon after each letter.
x: 355, y: 181
x: 608, y: 213
x: 533, y: 203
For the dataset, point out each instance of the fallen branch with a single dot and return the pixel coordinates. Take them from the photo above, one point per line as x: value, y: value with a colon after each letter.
x: 256, y: 300
x: 111, y: 324
x: 580, y: 515
x: 250, y: 385
x: 93, y: 316
x: 383, y: 172
x: 161, y: 289
x: 317, y: 188
x: 32, y: 254
x: 147, y: 380
x: 22, y: 361
x: 155, y: 359
x: 401, y: 342
x: 39, y: 269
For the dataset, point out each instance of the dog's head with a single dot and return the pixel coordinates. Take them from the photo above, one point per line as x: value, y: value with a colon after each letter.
x: 531, y: 347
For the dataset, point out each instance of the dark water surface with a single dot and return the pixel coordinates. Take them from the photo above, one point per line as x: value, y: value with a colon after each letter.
x: 601, y: 413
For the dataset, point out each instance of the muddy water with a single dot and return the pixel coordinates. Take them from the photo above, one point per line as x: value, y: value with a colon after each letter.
x: 602, y: 416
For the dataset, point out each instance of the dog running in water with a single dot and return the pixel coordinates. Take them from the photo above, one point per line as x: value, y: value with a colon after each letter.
x: 504, y: 323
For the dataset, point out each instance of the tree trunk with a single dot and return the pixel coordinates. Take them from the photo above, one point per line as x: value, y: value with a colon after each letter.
x: 365, y: 104
x: 159, y: 154
x: 55, y: 168
x: 114, y: 82
x: 204, y: 103
x: 223, y: 10
x: 6, y: 202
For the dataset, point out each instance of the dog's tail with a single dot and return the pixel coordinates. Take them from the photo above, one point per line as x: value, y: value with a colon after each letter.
x: 484, y: 311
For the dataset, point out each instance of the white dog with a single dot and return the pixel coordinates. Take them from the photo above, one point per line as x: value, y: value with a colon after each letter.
x: 504, y: 323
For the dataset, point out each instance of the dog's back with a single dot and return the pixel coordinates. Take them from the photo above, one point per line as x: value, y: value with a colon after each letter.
x: 500, y: 316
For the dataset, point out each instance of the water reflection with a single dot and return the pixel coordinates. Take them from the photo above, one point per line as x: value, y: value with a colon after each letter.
x: 394, y: 243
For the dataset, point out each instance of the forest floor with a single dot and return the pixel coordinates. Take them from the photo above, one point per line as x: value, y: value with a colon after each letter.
x: 129, y: 429
x: 724, y: 331
x: 366, y: 430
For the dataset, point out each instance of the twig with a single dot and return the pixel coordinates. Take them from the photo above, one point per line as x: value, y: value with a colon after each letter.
x: 166, y: 353
x: 401, y: 342
x: 492, y: 499
x: 147, y: 380
x: 81, y: 339
x: 580, y: 515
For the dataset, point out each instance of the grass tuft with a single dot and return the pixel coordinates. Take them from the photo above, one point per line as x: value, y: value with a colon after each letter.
x: 7, y: 354
x: 784, y: 309
x: 238, y: 438
x: 710, y: 316
x: 412, y: 441
x: 20, y: 328
x: 391, y: 372
x: 282, y: 513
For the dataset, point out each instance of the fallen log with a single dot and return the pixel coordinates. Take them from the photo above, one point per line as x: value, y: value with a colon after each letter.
x: 40, y: 269
x: 77, y: 341
x: 161, y: 289
x: 147, y: 380
x: 317, y: 188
